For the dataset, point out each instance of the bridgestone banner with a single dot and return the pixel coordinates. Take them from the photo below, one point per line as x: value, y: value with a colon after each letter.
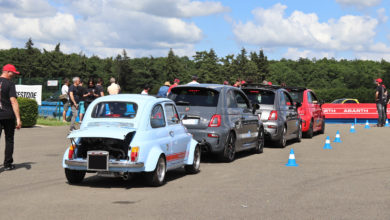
x: 31, y: 92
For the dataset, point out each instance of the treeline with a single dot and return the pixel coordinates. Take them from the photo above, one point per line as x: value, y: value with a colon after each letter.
x: 331, y: 78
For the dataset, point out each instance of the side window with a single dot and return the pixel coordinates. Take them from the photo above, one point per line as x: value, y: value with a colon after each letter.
x: 157, y: 119
x: 231, y: 101
x: 309, y: 98
x: 282, y: 99
x: 242, y: 102
x: 172, y: 116
x: 313, y: 98
x: 350, y: 101
x: 287, y: 99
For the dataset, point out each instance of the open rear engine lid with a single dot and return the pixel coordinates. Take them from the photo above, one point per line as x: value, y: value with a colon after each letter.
x: 102, y: 132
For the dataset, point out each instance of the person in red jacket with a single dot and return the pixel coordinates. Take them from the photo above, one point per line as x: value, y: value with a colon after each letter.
x: 175, y: 83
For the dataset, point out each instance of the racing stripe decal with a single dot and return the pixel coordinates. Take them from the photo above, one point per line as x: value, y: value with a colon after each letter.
x: 176, y: 156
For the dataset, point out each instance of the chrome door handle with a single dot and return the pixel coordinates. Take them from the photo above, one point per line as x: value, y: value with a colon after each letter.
x: 171, y: 133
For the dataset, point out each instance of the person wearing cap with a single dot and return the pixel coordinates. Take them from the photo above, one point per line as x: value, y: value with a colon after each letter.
x: 380, y: 102
x: 226, y: 82
x: 175, y: 83
x: 9, y: 110
x: 162, y: 92
x: 194, y: 81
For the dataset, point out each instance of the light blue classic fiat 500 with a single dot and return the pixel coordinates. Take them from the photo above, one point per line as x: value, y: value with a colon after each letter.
x: 125, y: 134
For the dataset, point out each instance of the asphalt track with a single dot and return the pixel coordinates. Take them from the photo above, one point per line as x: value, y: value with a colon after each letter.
x: 351, y: 181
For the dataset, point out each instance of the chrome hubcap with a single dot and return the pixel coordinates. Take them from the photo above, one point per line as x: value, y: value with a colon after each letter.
x: 161, y: 169
x: 197, y: 158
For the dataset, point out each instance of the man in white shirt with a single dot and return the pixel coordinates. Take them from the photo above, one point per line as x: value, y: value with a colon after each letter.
x: 114, y: 88
x: 65, y: 91
x: 146, y: 90
x: 194, y: 80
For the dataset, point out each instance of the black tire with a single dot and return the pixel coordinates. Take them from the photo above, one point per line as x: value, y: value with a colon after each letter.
x: 260, y: 142
x: 309, y: 133
x: 283, y: 139
x: 322, y: 131
x: 229, y: 153
x: 195, y: 166
x: 299, y: 134
x: 74, y: 176
x: 157, y: 176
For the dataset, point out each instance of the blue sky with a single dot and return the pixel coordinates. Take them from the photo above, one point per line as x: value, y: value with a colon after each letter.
x: 341, y: 29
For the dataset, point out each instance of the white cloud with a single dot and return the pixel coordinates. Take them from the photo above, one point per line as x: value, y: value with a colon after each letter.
x: 295, y: 54
x: 5, y: 43
x: 382, y: 15
x: 27, y: 8
x: 270, y: 28
x: 360, y: 4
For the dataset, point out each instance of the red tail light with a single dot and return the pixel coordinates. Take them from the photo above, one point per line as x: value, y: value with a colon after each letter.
x: 71, y: 152
x: 273, y: 116
x: 134, y: 154
x: 215, y: 121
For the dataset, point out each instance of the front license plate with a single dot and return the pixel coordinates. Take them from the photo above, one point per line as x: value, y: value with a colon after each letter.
x: 97, y: 160
x: 190, y: 121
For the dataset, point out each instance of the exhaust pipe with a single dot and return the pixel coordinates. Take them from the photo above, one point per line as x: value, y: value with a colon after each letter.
x: 125, y: 176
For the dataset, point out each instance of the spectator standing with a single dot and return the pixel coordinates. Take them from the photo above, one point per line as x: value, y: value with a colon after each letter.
x: 194, y: 81
x: 65, y: 91
x: 9, y: 110
x: 380, y: 102
x: 114, y: 88
x: 91, y: 94
x: 74, y: 101
x: 175, y: 83
x: 237, y: 83
x: 162, y: 92
x: 226, y: 82
x: 82, y: 94
x: 99, y: 87
x: 146, y: 90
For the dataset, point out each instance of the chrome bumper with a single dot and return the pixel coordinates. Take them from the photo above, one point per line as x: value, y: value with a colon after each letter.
x: 111, y: 164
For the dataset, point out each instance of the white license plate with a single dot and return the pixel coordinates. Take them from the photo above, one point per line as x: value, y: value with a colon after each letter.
x: 190, y: 121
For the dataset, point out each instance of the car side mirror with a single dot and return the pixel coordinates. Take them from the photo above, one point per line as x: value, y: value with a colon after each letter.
x: 298, y: 104
x: 182, y: 117
x: 255, y: 107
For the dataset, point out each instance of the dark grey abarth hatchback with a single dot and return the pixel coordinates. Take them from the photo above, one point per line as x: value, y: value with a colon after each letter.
x: 220, y: 118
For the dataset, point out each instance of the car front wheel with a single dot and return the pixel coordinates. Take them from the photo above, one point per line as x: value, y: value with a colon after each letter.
x: 260, y: 142
x: 157, y: 177
x: 74, y: 176
x: 194, y: 167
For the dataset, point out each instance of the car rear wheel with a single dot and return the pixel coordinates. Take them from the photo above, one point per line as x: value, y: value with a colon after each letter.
x: 194, y: 167
x: 74, y: 176
x: 283, y: 139
x: 229, y: 152
x: 157, y: 177
x: 309, y: 133
x: 322, y: 131
x: 260, y: 142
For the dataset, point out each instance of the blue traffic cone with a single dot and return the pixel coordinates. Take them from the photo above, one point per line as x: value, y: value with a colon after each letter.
x: 291, y: 159
x: 337, y: 139
x: 367, y: 126
x: 352, y: 130
x: 327, y: 144
x: 387, y: 123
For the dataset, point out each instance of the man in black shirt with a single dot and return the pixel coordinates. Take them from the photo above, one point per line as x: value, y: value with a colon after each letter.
x: 380, y: 102
x: 99, y: 87
x: 9, y: 110
x: 74, y: 101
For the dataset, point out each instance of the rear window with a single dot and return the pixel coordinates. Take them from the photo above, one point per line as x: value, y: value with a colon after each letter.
x: 195, y: 96
x: 296, y: 96
x: 115, y: 110
x: 264, y: 97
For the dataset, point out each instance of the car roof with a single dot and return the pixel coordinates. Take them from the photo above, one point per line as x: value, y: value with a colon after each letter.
x: 138, y: 98
x: 217, y: 87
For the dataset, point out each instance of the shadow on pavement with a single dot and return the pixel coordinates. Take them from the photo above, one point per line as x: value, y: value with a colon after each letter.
x: 137, y: 180
x: 25, y: 165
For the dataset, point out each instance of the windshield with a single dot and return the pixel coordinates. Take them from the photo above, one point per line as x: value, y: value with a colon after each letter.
x: 115, y: 110
x: 194, y: 96
x: 296, y: 96
x: 264, y: 97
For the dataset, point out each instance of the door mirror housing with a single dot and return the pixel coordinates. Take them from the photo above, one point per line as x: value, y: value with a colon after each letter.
x: 298, y: 104
x: 182, y: 117
x: 255, y: 107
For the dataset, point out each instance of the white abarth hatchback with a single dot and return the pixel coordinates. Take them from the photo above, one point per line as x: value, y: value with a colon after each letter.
x: 125, y: 134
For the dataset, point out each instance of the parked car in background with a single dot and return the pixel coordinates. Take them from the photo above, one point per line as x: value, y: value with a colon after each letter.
x: 125, y: 134
x: 345, y: 101
x: 313, y: 119
x: 278, y: 112
x: 220, y: 118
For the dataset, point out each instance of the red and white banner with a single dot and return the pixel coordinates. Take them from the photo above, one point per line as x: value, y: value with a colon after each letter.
x: 363, y: 110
